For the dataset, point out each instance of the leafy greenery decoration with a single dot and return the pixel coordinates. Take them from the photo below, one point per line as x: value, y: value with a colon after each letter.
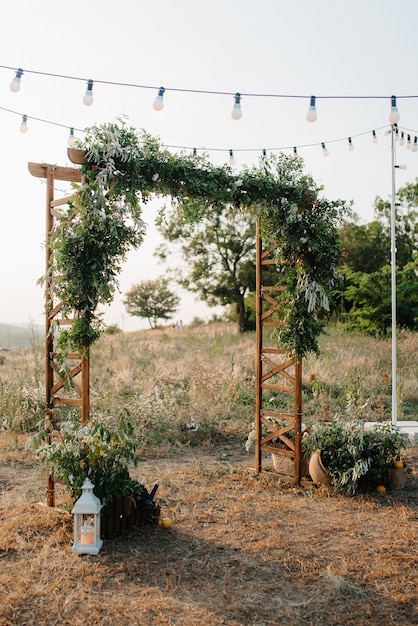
x: 356, y: 458
x: 124, y: 168
x: 99, y: 451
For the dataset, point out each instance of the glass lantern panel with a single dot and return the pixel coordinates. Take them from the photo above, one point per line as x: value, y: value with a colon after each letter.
x: 85, y: 529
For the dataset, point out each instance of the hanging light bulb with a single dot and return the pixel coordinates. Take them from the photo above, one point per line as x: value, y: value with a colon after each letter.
x: 415, y: 145
x: 24, y: 125
x: 394, y: 116
x: 236, y: 113
x: 88, y: 96
x: 350, y: 144
x: 295, y: 151
x: 71, y: 137
x: 375, y: 139
x: 231, y: 158
x: 158, y: 103
x: 324, y: 150
x: 15, y: 84
x: 312, y: 115
x: 402, y: 139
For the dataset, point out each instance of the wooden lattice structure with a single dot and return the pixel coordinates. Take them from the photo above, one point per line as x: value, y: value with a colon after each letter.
x: 71, y: 388
x: 276, y: 371
x: 278, y: 377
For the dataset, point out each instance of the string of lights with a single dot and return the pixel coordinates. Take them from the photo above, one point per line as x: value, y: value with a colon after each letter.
x: 236, y: 113
x: 404, y: 137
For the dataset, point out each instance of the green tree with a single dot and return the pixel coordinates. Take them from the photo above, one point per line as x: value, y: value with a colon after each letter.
x: 406, y: 223
x: 219, y: 252
x: 366, y: 246
x: 370, y: 298
x: 153, y: 300
x: 364, y: 299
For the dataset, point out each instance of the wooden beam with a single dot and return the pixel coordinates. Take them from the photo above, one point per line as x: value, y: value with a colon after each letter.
x: 68, y: 401
x: 258, y: 350
x: 61, y: 201
x: 40, y: 170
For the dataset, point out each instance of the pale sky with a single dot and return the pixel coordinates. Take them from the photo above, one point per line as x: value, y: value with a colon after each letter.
x: 293, y: 48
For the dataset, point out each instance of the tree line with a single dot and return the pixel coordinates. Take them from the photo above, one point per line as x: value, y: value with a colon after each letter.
x: 216, y: 260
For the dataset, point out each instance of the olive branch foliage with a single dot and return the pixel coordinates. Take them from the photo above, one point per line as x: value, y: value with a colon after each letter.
x: 123, y: 169
x: 355, y: 458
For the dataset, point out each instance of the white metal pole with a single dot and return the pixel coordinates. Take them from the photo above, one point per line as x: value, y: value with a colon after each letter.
x: 393, y: 277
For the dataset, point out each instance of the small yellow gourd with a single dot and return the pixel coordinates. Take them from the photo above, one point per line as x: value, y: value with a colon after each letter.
x: 398, y: 464
x: 166, y: 522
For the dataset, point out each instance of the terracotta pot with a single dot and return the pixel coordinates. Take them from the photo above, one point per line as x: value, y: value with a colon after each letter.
x: 76, y: 156
x: 317, y: 471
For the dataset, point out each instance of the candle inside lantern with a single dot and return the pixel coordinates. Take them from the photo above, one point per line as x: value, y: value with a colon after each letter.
x: 86, y: 513
x: 87, y: 534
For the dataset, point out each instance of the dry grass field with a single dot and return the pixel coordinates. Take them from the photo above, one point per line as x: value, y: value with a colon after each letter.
x: 242, y: 550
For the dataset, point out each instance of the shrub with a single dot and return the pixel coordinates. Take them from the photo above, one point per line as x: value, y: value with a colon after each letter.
x: 355, y: 458
x: 95, y: 451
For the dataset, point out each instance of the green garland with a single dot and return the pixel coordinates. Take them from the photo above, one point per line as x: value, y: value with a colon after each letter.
x: 123, y: 170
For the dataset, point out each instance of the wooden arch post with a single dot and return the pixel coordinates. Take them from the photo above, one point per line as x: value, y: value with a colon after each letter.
x: 277, y: 372
x: 73, y: 387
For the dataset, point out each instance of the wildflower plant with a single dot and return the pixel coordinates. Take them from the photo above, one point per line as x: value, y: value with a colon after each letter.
x: 96, y: 451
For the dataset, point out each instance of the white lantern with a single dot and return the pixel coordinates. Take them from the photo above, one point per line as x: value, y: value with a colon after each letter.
x: 86, y: 513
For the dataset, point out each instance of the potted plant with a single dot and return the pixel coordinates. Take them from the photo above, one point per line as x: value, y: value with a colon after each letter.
x: 103, y: 452
x: 355, y: 458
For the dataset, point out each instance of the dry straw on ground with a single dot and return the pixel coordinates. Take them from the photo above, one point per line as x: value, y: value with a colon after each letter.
x: 242, y: 550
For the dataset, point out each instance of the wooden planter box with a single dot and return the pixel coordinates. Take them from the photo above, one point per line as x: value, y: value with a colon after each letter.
x: 125, y: 514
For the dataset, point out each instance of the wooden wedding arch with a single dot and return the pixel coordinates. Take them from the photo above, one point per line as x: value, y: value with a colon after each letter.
x: 72, y: 388
x: 276, y: 370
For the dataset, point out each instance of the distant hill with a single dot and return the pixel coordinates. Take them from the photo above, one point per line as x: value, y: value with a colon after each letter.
x: 18, y: 335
